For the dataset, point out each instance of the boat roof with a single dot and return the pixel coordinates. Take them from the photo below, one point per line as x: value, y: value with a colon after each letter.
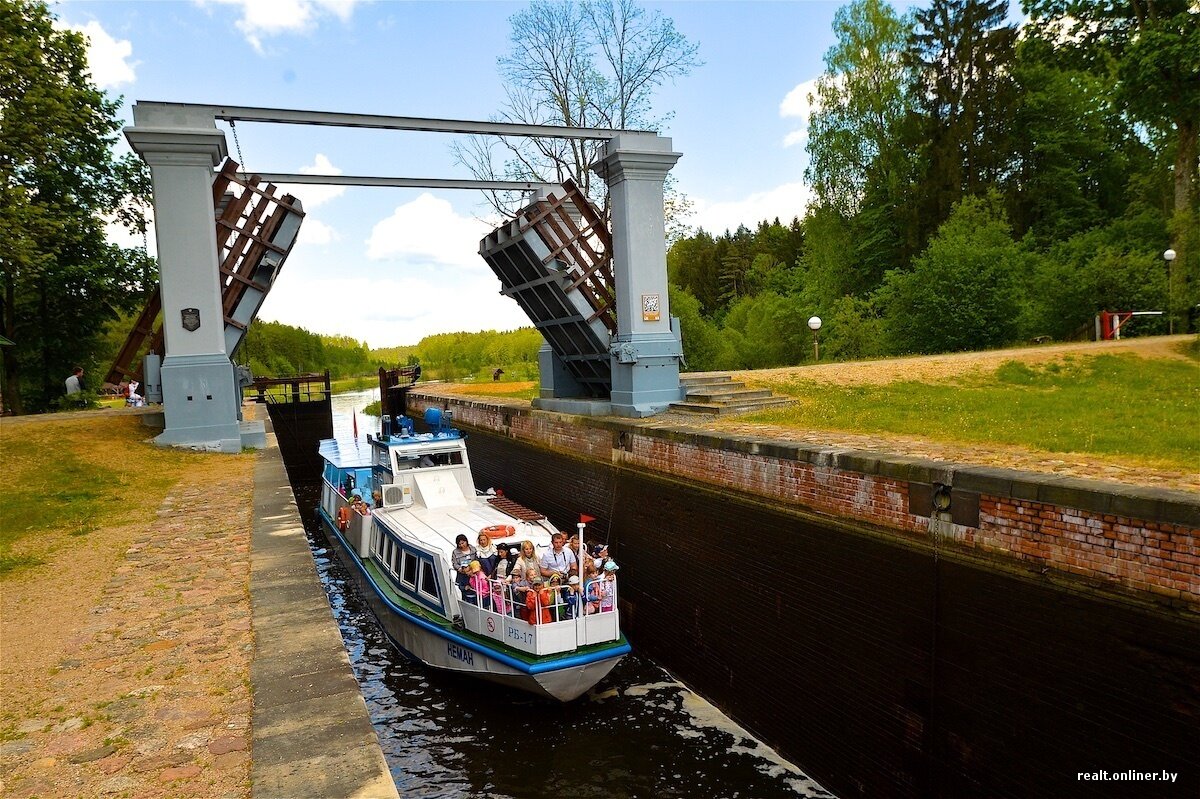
x: 435, y: 528
x: 347, y: 452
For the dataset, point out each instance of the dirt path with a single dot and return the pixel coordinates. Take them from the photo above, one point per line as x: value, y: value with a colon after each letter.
x: 940, y: 367
x: 125, y: 657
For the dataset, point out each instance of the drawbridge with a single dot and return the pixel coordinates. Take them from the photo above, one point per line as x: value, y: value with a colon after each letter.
x: 256, y: 228
x: 555, y: 260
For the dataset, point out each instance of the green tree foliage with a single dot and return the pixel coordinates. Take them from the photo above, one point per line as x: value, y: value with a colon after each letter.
x: 961, y: 55
x: 862, y: 105
x: 704, y: 348
x: 273, y: 349
x: 963, y: 291
x: 62, y: 280
x: 1153, y: 49
x: 1115, y: 268
x: 718, y: 271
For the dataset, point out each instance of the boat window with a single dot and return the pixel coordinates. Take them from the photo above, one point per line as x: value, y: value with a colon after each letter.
x: 428, y: 580
x: 410, y: 570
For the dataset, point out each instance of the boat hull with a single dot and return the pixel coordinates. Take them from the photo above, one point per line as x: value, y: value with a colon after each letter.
x: 444, y: 649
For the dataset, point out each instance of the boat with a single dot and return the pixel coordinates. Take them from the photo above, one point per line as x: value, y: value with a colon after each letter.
x: 418, y: 495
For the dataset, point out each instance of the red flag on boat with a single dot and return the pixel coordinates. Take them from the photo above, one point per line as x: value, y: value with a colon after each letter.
x: 355, y: 419
x: 585, y: 519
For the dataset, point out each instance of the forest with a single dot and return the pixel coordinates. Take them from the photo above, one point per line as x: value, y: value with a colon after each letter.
x: 976, y: 185
x: 274, y: 349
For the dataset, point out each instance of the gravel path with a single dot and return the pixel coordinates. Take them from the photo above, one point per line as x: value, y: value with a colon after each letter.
x: 126, y: 657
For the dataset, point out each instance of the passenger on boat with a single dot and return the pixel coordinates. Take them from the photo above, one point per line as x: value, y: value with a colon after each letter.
x: 518, y: 588
x: 573, y: 593
x: 460, y: 561
x: 500, y: 572
x: 558, y: 559
x: 528, y: 563
x: 537, y: 602
x: 606, y: 587
x: 573, y: 545
x: 478, y: 591
x: 486, y: 554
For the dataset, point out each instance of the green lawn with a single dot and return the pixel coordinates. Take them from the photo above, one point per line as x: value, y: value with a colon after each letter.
x: 1123, y: 405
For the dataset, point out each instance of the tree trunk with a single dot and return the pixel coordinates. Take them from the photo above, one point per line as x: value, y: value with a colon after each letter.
x: 1185, y: 162
x: 12, y: 382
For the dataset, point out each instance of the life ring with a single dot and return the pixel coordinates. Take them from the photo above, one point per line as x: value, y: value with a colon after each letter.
x: 499, y: 531
x: 343, y: 517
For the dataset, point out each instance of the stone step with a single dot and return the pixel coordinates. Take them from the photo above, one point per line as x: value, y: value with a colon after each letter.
x: 704, y: 380
x: 733, y: 395
x: 721, y: 409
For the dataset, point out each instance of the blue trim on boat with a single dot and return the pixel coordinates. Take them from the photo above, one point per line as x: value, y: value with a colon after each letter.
x: 475, y: 646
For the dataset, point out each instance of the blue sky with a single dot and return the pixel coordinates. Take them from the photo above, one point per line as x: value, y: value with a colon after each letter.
x: 738, y: 121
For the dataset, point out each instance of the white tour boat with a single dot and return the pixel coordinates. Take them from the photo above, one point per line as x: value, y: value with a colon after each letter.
x: 419, y: 496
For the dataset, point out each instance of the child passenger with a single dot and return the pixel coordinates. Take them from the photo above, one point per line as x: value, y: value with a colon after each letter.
x: 537, y: 602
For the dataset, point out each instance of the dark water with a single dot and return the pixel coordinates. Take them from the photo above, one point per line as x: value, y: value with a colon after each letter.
x: 637, y: 734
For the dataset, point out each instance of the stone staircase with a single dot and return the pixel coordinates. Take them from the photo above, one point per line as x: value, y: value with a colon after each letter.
x: 717, y: 394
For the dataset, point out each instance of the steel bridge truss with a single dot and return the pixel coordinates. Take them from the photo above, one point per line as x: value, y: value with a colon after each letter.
x: 256, y: 229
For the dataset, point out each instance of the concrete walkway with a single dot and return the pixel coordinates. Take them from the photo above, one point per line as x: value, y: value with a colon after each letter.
x: 312, y: 734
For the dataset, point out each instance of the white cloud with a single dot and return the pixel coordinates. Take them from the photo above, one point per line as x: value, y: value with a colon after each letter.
x: 312, y: 195
x: 108, y: 58
x: 427, y: 229
x: 799, y: 103
x: 265, y: 18
x: 316, y: 232
x: 786, y: 201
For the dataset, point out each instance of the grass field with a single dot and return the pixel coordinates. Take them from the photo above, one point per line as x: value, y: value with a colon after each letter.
x: 1143, y: 409
x: 67, y: 476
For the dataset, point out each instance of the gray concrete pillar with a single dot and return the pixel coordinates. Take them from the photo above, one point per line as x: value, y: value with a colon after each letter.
x: 181, y: 146
x: 645, y: 351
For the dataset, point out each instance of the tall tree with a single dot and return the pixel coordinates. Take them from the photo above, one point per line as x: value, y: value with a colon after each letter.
x: 59, y: 180
x: 961, y: 56
x: 595, y: 63
x: 1152, y: 49
x: 963, y: 291
x: 861, y: 103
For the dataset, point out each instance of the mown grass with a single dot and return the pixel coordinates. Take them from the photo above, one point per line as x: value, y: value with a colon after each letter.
x: 1145, y: 410
x: 69, y: 475
x: 516, y: 389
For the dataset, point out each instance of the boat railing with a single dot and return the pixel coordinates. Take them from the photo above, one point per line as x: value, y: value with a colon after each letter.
x: 575, y: 618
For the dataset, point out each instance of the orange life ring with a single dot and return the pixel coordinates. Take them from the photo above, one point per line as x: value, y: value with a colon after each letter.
x: 343, y: 517
x: 499, y: 531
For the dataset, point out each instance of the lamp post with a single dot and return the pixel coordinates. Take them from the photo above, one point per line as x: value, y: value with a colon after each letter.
x: 814, y: 324
x: 1169, y: 257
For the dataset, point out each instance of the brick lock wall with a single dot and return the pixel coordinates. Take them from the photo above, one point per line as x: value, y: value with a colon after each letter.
x: 880, y: 670
x: 1075, y: 534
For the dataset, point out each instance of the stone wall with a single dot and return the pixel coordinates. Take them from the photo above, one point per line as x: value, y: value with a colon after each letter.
x: 1131, y: 540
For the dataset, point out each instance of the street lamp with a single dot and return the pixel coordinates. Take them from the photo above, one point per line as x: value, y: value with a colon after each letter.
x: 1169, y: 257
x: 814, y: 324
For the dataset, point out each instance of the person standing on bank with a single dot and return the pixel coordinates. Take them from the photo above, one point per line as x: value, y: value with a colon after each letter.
x: 75, y: 385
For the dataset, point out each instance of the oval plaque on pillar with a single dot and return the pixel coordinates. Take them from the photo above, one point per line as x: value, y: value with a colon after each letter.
x: 191, y: 319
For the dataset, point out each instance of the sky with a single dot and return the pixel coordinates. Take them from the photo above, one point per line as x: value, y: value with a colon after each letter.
x: 389, y: 266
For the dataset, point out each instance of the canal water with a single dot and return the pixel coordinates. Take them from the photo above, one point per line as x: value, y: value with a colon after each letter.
x: 639, y: 733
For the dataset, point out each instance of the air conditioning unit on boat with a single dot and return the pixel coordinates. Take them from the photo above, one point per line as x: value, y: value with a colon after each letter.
x: 397, y: 495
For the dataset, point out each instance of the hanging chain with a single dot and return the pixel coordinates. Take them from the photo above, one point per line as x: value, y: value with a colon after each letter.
x: 238, y: 145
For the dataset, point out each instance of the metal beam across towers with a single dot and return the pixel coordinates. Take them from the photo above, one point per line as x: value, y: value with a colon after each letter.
x: 181, y: 143
x: 285, y: 116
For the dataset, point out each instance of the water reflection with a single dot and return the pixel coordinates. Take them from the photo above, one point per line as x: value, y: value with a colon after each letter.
x: 637, y: 734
